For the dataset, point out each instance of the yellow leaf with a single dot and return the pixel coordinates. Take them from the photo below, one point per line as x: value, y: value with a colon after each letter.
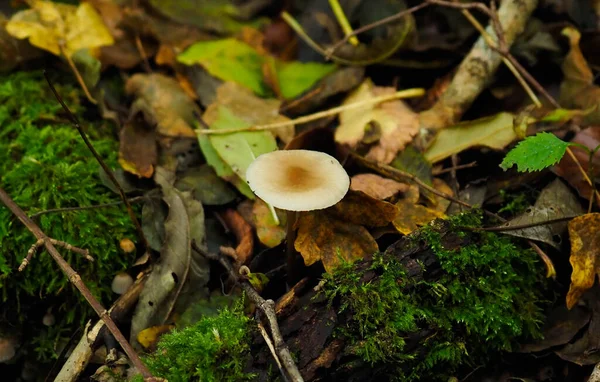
x: 150, y: 336
x: 584, y: 233
x: 268, y: 231
x: 60, y: 28
x: 412, y: 215
x: 392, y: 124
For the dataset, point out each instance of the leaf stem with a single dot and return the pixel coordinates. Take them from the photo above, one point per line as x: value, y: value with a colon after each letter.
x: 343, y: 21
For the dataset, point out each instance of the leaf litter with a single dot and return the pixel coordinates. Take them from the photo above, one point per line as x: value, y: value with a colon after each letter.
x: 176, y: 78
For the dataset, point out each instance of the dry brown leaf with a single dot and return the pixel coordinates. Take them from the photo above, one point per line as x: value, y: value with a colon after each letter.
x: 243, y: 233
x: 441, y: 204
x: 584, y: 232
x: 138, y: 153
x: 376, y: 186
x: 412, y: 215
x: 323, y: 237
x: 394, y: 123
x: 163, y: 103
x: 338, y: 234
x: 268, y: 231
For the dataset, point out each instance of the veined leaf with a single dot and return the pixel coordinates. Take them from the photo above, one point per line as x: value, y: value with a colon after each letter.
x: 535, y: 153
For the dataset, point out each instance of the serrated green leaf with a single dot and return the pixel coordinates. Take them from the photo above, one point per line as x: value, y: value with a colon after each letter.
x: 535, y: 153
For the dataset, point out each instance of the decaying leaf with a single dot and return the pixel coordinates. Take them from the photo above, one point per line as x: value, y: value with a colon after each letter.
x: 268, y: 231
x: 412, y: 215
x: 243, y: 233
x: 584, y: 233
x: 554, y: 202
x: 495, y: 132
x: 137, y: 149
x: 150, y: 336
x: 205, y: 185
x: 578, y: 89
x: 338, y: 234
x: 177, y: 265
x: 376, y: 186
x: 391, y: 124
x: 60, y: 28
x: 163, y: 103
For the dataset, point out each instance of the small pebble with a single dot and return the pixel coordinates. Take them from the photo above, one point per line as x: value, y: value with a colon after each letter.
x: 121, y: 283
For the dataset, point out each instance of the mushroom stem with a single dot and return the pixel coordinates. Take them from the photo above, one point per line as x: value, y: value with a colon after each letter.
x: 291, y: 251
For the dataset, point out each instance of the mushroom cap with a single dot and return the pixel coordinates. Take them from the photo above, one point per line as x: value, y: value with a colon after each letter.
x: 298, y: 180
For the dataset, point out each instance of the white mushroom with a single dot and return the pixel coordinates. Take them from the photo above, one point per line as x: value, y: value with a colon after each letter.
x: 121, y: 283
x: 298, y: 180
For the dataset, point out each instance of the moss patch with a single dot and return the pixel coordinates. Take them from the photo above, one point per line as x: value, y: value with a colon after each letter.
x: 43, y: 165
x: 487, y: 297
x: 216, y: 348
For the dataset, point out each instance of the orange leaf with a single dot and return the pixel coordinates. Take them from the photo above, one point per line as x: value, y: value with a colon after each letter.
x: 376, y: 186
x: 584, y: 232
x: 149, y: 336
x: 243, y: 233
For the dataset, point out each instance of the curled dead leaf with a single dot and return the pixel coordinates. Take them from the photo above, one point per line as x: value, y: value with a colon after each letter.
x: 376, y: 186
x: 584, y: 232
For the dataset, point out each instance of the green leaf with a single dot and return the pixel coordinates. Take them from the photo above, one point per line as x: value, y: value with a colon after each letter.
x: 229, y: 60
x: 238, y: 150
x: 297, y: 77
x: 535, y: 153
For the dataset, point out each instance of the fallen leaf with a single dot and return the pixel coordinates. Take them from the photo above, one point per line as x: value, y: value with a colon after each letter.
x: 13, y: 51
x: 495, y: 132
x: 233, y: 60
x: 137, y: 149
x: 412, y: 215
x: 268, y: 231
x: 88, y: 66
x: 163, y: 103
x: 205, y: 185
x: 150, y: 336
x: 177, y: 265
x: 376, y: 186
x: 584, y: 232
x: 441, y: 204
x: 394, y: 123
x: 243, y: 233
x: 60, y: 28
x: 577, y: 89
x: 569, y: 170
x: 554, y: 202
x: 337, y: 234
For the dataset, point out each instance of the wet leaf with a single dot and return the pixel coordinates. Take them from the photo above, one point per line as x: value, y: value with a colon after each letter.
x: 584, y: 233
x: 205, y: 185
x: 163, y: 103
x: 495, y: 132
x: 338, y: 234
x: 394, y: 123
x: 137, y: 149
x: 184, y: 223
x: 411, y: 216
x: 60, y: 28
x: 268, y: 231
x: 554, y: 202
x: 376, y: 186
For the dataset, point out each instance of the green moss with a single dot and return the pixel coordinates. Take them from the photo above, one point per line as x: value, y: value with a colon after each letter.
x: 43, y: 165
x: 486, y: 299
x: 216, y: 348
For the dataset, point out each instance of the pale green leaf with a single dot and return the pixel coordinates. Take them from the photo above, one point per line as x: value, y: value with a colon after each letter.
x: 240, y: 149
x: 495, y: 132
x: 229, y: 60
x: 297, y: 77
x: 535, y: 153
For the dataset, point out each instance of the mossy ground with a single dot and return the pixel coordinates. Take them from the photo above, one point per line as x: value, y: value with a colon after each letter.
x: 44, y: 165
x: 488, y: 297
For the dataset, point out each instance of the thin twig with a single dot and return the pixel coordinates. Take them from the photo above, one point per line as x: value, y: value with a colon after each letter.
x: 36, y: 246
x: 408, y: 93
x: 106, y: 169
x: 77, y: 75
x: 267, y: 307
x: 76, y: 280
x: 83, y: 208
x: 457, y: 167
x: 585, y: 175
